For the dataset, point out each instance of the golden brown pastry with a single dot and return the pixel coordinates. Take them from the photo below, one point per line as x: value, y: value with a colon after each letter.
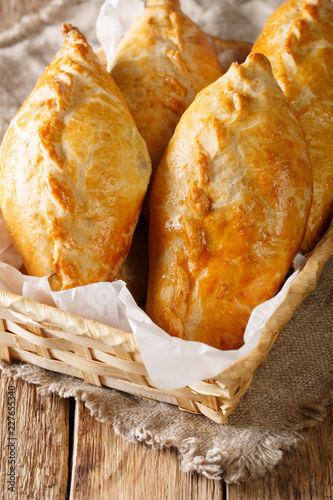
x: 160, y: 66
x: 298, y: 41
x: 229, y: 206
x: 73, y: 171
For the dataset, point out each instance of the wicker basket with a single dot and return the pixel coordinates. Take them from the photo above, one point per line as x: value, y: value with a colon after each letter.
x: 101, y: 355
x: 104, y: 356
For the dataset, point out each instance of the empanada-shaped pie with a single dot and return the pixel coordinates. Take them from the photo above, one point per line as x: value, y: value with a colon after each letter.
x: 160, y: 65
x: 229, y: 206
x: 298, y: 41
x: 73, y: 171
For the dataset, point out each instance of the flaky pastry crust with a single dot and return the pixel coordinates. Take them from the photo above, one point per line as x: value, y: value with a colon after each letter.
x: 298, y: 41
x: 160, y: 65
x: 73, y: 171
x: 229, y: 207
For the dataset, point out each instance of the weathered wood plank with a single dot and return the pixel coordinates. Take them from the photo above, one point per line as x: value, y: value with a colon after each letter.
x: 303, y: 475
x: 34, y: 442
x: 106, y: 466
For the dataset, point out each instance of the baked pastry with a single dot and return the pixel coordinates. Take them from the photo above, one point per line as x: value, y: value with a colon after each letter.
x: 229, y: 206
x: 160, y: 65
x: 298, y: 41
x: 73, y: 171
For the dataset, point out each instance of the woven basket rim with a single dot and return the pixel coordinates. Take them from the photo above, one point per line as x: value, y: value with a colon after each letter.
x: 123, y: 368
x: 56, y: 317
x: 304, y: 284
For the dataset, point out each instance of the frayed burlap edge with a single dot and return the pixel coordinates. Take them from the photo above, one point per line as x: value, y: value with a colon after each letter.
x: 221, y: 461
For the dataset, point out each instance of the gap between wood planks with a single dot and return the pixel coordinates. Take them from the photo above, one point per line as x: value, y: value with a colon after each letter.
x: 106, y: 466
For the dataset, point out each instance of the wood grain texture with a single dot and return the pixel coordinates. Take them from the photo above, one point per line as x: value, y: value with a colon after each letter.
x: 33, y: 433
x: 303, y: 475
x: 106, y: 466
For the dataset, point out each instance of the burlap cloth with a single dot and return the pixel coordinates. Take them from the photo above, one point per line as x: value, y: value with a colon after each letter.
x: 289, y: 393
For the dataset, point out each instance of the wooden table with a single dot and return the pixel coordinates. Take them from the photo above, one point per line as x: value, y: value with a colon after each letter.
x: 61, y: 452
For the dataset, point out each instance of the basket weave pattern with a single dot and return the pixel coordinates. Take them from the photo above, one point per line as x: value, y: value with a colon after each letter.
x: 104, y: 356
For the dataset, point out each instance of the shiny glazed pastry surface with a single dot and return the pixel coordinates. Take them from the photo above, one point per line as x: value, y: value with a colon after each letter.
x: 73, y: 171
x: 160, y: 65
x: 229, y: 207
x: 298, y: 41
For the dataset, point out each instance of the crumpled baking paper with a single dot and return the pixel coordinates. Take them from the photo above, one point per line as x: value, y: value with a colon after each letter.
x: 172, y: 363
